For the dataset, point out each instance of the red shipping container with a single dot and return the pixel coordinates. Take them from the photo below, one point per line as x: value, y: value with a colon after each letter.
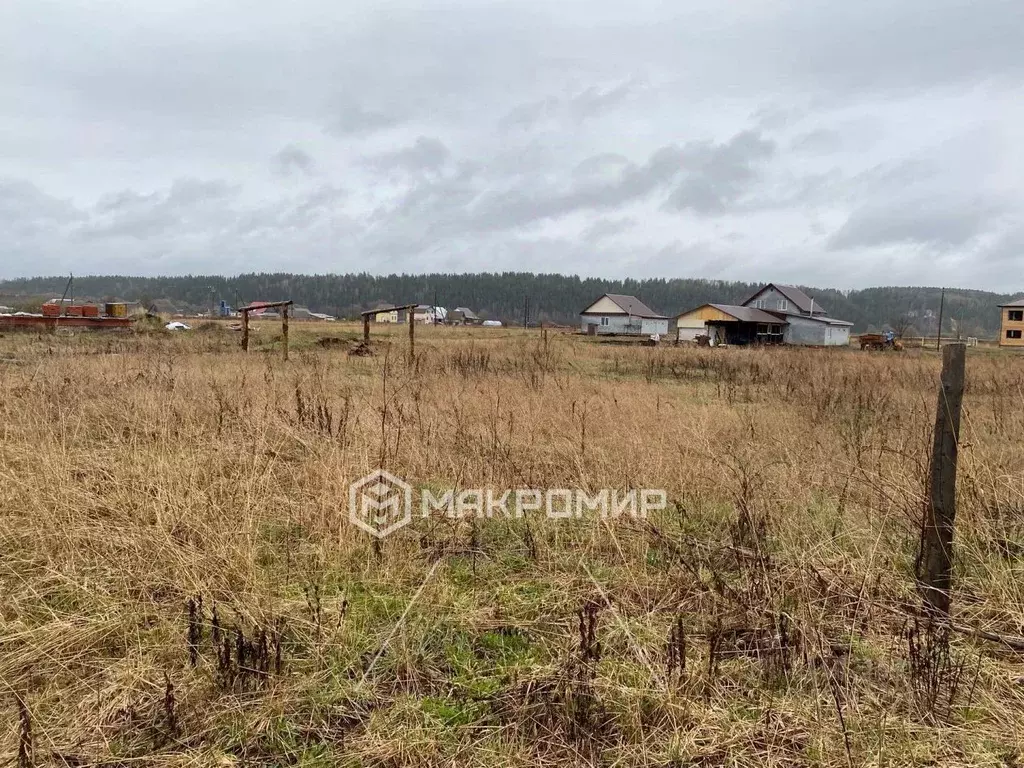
x: 90, y: 310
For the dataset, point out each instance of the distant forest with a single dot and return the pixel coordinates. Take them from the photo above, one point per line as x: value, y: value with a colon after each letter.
x: 551, y: 298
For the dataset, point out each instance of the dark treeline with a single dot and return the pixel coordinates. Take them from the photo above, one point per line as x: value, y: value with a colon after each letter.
x: 552, y: 298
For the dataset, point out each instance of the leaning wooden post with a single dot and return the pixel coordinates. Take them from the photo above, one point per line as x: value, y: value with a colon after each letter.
x: 284, y: 330
x: 366, y: 329
x: 245, y: 330
x: 935, y: 559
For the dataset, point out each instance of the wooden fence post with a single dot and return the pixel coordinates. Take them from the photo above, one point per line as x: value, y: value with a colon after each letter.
x: 935, y: 558
x: 245, y: 330
x: 366, y: 329
x: 284, y: 330
x: 410, y: 314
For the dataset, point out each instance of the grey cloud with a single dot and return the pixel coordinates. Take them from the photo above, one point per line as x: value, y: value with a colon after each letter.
x: 65, y: 237
x: 525, y: 116
x: 818, y: 140
x: 357, y: 121
x: 187, y: 203
x: 897, y: 176
x: 289, y: 60
x: 519, y: 207
x: 1005, y: 251
x: 459, y: 208
x: 770, y: 117
x: 591, y: 102
x: 427, y: 154
x: 25, y: 210
x: 307, y: 209
x: 941, y: 199
x: 718, y: 175
x: 878, y: 45
x: 560, y: 121
x: 607, y: 227
x: 594, y: 100
x: 938, y: 223
x: 599, y: 165
x: 807, y: 191
x: 518, y: 160
x: 292, y: 160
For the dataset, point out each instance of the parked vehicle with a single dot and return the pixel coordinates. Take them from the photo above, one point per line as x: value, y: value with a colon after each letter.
x: 881, y: 341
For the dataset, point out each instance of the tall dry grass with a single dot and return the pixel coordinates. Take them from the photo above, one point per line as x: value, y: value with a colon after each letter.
x: 181, y: 585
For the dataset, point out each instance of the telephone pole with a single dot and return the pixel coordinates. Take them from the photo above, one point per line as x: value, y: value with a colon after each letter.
x: 942, y: 304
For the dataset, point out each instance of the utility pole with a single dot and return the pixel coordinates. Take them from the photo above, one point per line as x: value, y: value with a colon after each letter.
x: 71, y: 280
x: 942, y: 304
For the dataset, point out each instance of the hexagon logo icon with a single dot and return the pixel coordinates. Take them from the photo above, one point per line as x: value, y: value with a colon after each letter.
x: 380, y: 503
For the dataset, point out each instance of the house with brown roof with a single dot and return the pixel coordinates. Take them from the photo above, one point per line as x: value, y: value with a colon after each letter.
x: 730, y: 324
x: 807, y: 321
x: 775, y: 314
x: 464, y: 316
x: 618, y: 314
x: 1011, y: 326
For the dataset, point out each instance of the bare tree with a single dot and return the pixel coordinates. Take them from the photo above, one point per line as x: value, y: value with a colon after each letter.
x: 901, y: 324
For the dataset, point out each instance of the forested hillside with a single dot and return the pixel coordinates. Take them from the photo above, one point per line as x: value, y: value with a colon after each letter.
x: 552, y: 298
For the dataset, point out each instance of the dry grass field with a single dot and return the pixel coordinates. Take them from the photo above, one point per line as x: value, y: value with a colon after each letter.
x: 181, y: 584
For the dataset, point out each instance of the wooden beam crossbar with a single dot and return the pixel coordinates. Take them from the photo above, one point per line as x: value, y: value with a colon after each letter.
x: 282, y: 305
x: 410, y: 314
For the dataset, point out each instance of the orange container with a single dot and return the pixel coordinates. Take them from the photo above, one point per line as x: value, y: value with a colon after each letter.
x: 51, y: 310
x: 90, y: 310
x: 75, y: 310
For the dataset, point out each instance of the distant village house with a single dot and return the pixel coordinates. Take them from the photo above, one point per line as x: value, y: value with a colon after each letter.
x: 617, y: 314
x: 1011, y: 330
x: 422, y: 313
x: 428, y: 315
x: 775, y: 314
x: 464, y: 316
x: 388, y: 313
x: 304, y: 313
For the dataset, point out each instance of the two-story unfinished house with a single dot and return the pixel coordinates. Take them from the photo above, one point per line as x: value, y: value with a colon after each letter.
x: 1011, y: 330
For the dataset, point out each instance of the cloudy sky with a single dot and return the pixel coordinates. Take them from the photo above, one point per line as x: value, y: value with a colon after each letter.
x: 823, y: 142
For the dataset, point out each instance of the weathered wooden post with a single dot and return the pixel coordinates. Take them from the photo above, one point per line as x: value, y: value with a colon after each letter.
x: 366, y: 328
x: 284, y: 330
x: 410, y: 313
x: 935, y: 559
x: 245, y: 330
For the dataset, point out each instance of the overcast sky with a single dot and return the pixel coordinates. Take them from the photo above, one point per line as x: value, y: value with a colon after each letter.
x: 824, y: 142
